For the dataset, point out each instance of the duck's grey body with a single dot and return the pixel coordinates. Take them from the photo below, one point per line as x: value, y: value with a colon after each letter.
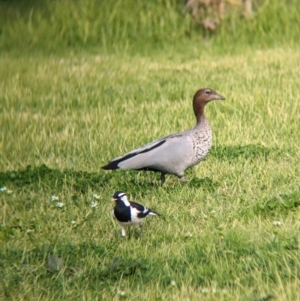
x: 171, y: 154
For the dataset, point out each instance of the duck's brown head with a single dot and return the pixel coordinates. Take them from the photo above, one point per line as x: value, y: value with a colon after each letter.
x: 201, y: 98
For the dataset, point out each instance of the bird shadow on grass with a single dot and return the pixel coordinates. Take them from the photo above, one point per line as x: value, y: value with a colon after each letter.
x: 206, y: 184
x: 250, y: 151
x: 71, y: 266
x: 278, y: 205
x: 42, y: 176
x: 111, y: 265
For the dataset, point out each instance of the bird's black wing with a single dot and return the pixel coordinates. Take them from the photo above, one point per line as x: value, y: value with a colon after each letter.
x: 137, y: 206
x: 143, y: 211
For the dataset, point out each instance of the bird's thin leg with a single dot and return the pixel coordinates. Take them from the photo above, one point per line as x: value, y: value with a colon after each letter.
x: 162, y: 178
x: 123, y: 232
x: 183, y: 179
x: 141, y: 230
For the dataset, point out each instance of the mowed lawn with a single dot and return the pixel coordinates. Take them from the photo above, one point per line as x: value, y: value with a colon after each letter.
x: 230, y: 233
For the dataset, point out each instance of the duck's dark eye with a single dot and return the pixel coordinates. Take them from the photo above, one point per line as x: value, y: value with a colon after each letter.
x: 207, y: 92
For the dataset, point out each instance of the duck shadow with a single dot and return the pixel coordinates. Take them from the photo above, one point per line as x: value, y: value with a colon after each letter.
x: 39, y: 177
x: 44, y: 177
x: 250, y: 151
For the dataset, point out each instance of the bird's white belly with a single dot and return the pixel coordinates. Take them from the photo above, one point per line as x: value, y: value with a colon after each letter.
x: 136, y: 222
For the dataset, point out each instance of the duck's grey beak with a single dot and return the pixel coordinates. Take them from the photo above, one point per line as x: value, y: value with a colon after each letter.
x: 219, y: 97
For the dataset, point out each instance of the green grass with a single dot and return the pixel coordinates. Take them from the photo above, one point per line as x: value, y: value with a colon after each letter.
x: 230, y: 233
x: 82, y: 85
x: 137, y: 26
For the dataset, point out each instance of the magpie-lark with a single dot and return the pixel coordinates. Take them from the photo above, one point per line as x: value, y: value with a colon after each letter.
x: 129, y: 213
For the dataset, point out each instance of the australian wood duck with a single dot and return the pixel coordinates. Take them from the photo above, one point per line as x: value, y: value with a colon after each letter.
x: 175, y: 153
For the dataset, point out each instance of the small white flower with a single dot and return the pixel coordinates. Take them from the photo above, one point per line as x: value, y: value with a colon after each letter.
x: 8, y: 191
x: 173, y: 283
x: 96, y: 196
x: 204, y: 291
x: 94, y: 204
x: 73, y: 222
x: 28, y: 230
x: 121, y: 293
x: 277, y: 223
x: 59, y: 205
x: 54, y: 198
x: 3, y: 188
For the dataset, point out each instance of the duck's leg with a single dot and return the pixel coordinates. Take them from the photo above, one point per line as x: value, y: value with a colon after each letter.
x: 162, y: 178
x: 183, y: 179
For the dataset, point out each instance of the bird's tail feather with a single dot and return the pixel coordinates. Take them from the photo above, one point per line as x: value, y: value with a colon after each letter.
x: 154, y: 213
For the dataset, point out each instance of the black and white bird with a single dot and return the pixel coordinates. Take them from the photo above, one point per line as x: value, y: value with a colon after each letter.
x: 129, y: 213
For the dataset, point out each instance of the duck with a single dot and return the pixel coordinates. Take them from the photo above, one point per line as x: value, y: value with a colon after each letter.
x: 129, y: 213
x: 174, y: 153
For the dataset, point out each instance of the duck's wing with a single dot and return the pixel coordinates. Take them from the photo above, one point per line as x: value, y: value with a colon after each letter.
x: 157, y: 147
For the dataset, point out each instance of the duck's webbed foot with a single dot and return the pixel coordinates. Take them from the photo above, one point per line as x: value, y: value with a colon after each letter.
x: 183, y: 179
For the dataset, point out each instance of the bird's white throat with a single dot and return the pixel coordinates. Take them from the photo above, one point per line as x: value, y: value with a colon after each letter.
x: 125, y: 200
